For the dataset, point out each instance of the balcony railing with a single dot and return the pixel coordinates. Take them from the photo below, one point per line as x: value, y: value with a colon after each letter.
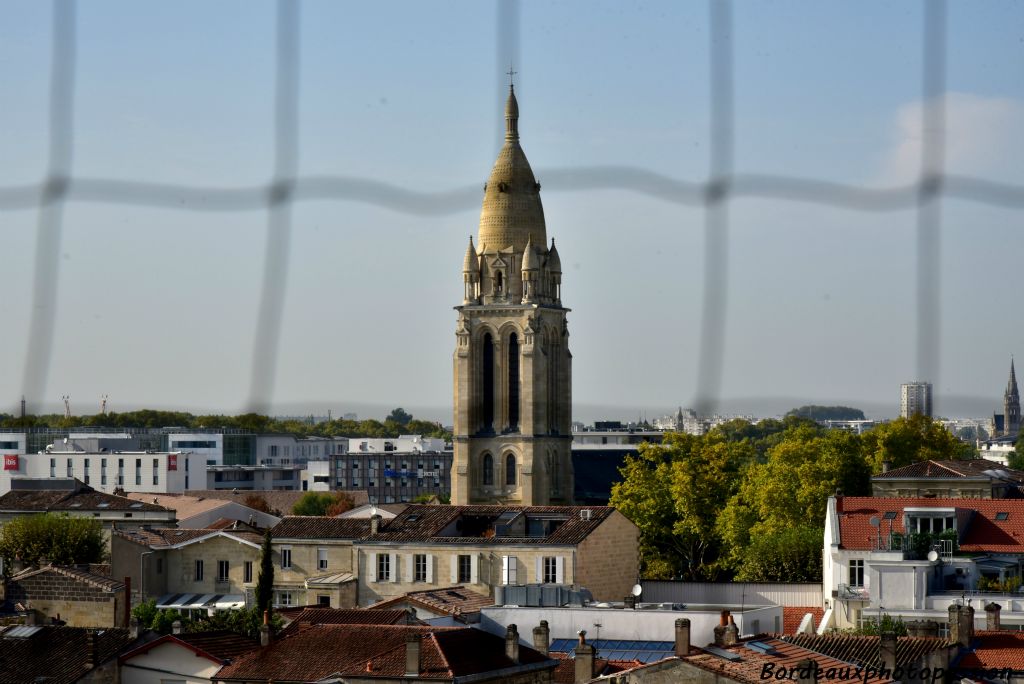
x: 849, y: 592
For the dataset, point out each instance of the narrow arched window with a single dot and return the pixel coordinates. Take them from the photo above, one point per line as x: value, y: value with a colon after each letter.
x: 488, y: 469
x: 513, y: 382
x: 510, y: 469
x: 488, y: 382
x: 498, y: 277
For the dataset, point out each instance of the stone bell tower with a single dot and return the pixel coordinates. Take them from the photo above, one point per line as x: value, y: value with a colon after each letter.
x: 513, y: 369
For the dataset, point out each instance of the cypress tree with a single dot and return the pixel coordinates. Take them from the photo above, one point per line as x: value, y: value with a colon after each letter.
x: 265, y: 581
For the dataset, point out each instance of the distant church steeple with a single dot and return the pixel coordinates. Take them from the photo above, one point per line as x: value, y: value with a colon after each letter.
x: 513, y: 395
x: 1011, y: 405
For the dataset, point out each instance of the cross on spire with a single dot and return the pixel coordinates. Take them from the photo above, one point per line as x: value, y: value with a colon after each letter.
x: 511, y: 75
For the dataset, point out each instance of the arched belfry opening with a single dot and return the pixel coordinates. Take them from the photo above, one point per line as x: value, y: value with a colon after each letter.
x: 487, y: 389
x: 513, y: 383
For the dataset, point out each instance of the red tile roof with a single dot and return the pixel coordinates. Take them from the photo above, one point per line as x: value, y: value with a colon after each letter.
x: 320, y: 527
x: 452, y: 601
x: 793, y: 615
x: 972, y: 468
x: 751, y: 664
x: 84, y: 498
x: 163, y: 537
x: 279, y: 500
x: 220, y: 646
x: 55, y: 655
x: 995, y: 650
x: 346, y: 616
x: 855, y: 648
x: 319, y: 651
x: 980, y: 531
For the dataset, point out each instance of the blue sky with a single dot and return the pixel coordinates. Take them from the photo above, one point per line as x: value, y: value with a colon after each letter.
x: 158, y: 307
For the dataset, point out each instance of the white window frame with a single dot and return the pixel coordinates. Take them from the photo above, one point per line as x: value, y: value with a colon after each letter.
x: 509, y: 570
x: 420, y: 565
x: 856, y: 566
x: 321, y: 558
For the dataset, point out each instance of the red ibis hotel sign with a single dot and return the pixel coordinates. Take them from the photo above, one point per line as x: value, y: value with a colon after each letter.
x: 172, y: 461
x: 10, y: 461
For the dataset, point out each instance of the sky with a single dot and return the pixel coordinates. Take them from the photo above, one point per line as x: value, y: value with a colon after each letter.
x: 158, y: 307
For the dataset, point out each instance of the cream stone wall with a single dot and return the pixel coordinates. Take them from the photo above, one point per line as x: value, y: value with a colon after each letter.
x: 304, y: 559
x: 181, y: 563
x: 168, y: 662
x: 487, y: 567
x: 609, y: 558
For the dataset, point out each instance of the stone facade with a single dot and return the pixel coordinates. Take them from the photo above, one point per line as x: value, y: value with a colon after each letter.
x: 609, y: 558
x: 512, y: 365
x: 79, y: 598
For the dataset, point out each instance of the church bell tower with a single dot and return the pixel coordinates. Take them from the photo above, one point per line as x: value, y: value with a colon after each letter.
x: 513, y: 393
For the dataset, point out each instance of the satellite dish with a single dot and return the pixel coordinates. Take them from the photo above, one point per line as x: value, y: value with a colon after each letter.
x: 65, y: 440
x: 874, y: 521
x: 636, y: 590
x: 933, y: 555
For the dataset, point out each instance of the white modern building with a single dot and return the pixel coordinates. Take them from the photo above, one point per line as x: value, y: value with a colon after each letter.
x: 915, y: 399
x: 132, y: 471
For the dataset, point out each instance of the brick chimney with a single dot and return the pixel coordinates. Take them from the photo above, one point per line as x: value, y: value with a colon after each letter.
x: 512, y: 643
x: 887, y: 646
x: 886, y: 465
x: 584, y: 660
x: 922, y: 628
x: 726, y: 633
x: 682, y: 643
x: 961, y: 624
x: 541, y: 637
x: 265, y: 629
x: 133, y: 627
x: 375, y: 522
x: 992, y: 611
x: 412, y: 654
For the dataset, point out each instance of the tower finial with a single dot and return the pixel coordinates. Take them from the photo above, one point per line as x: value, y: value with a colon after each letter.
x: 511, y: 75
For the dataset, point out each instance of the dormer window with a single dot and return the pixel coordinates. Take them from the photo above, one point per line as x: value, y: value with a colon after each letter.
x: 933, y: 521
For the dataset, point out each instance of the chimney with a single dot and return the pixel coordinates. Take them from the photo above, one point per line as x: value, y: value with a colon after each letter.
x: 992, y: 617
x: 886, y: 465
x: 807, y: 672
x: 176, y: 627
x: 629, y: 602
x: 265, y: 629
x: 133, y: 628
x: 922, y: 628
x: 887, y: 655
x: 682, y: 637
x: 541, y: 637
x: 375, y: 523
x: 584, y: 660
x: 961, y: 624
x: 512, y: 644
x: 412, y: 654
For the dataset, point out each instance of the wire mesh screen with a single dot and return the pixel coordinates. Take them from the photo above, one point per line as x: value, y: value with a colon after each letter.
x: 288, y: 186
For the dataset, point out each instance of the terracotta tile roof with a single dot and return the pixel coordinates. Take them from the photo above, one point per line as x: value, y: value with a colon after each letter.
x: 751, y: 664
x: 793, y: 615
x: 980, y: 530
x: 163, y: 537
x: 102, y: 582
x: 83, y: 499
x: 280, y: 500
x: 438, y: 524
x: 866, y: 650
x: 319, y: 651
x: 185, y: 506
x: 56, y: 655
x: 565, y: 672
x: 1003, y: 649
x: 320, y: 527
x: 452, y: 601
x: 346, y: 616
x: 973, y: 468
x: 221, y: 644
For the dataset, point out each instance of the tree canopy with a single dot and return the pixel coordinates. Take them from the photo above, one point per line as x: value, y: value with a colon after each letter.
x: 58, y: 539
x: 748, y: 501
x: 815, y: 412
x: 323, y: 503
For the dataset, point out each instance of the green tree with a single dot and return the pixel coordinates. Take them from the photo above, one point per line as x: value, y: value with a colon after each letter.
x: 59, y: 539
x: 244, y: 621
x: 313, y: 503
x: 159, y: 621
x: 791, y: 555
x: 908, y: 440
x: 400, y: 416
x: 265, y: 579
x: 815, y: 412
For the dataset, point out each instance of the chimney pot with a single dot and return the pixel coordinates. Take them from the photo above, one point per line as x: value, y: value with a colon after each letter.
x: 886, y: 465
x: 375, y: 523
x: 887, y: 645
x: 807, y: 672
x: 176, y: 627
x: 512, y: 644
x: 682, y: 642
x: 264, y: 635
x: 584, y: 660
x: 542, y: 637
x: 133, y: 627
x: 992, y: 621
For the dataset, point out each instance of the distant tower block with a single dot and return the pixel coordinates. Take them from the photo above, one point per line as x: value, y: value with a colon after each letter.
x: 513, y: 369
x: 916, y: 399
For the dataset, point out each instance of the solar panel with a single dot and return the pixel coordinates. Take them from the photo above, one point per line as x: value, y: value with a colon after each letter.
x: 725, y: 655
x: 889, y: 515
x: 22, y: 631
x: 761, y: 647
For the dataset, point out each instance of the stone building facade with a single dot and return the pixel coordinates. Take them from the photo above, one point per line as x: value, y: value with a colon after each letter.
x: 78, y: 597
x: 512, y: 365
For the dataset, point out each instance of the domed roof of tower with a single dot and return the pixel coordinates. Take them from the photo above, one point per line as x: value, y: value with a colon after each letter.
x: 530, y: 260
x: 554, y: 262
x: 512, y: 210
x: 471, y: 262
